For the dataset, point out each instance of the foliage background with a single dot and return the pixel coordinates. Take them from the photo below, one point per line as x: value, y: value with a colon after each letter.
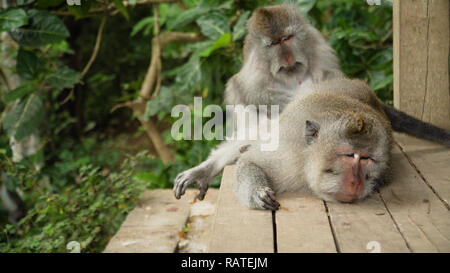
x: 88, y: 183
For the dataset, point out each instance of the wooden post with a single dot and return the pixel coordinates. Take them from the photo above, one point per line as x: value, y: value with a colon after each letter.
x: 421, y: 59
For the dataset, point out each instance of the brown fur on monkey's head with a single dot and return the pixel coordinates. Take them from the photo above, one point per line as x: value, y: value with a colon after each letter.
x: 272, y: 21
x: 269, y: 20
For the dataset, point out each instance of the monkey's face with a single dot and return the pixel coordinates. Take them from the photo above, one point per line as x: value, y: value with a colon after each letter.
x: 344, y: 169
x: 286, y: 56
x: 279, y: 30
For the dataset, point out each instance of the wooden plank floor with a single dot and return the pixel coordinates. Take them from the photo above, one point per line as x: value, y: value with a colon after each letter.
x: 411, y: 214
x: 156, y: 224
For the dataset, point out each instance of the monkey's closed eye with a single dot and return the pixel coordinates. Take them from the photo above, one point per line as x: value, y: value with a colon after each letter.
x: 276, y: 42
x: 287, y: 38
x: 331, y: 171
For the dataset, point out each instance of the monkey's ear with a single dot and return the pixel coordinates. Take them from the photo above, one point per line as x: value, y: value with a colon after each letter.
x: 311, y: 131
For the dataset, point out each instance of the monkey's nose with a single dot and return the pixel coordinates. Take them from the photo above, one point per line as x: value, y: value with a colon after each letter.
x: 289, y: 62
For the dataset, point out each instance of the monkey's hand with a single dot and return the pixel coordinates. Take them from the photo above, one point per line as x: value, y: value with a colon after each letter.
x: 264, y: 198
x: 196, y: 175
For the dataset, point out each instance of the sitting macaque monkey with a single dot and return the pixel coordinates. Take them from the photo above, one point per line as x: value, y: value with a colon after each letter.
x: 334, y: 141
x: 282, y: 52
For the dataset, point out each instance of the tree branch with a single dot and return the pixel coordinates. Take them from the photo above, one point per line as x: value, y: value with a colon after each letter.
x: 158, y: 42
x: 98, y: 41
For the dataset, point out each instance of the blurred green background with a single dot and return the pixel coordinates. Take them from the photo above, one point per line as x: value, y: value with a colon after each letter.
x: 94, y: 160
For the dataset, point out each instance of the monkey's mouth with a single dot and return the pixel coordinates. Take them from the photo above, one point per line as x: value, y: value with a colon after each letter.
x: 346, y: 198
x: 290, y: 69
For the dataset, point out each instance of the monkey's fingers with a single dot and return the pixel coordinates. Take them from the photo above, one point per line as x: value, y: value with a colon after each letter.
x: 186, y: 183
x: 176, y: 185
x: 270, y: 203
x: 202, y: 193
x: 181, y: 183
x: 271, y: 195
x: 270, y: 207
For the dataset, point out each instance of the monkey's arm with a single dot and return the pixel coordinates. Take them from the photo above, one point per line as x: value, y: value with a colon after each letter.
x: 203, y: 174
x: 404, y: 123
x: 252, y: 187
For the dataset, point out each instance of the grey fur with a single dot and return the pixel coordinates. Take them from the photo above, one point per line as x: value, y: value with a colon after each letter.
x: 300, y: 165
x: 261, y: 82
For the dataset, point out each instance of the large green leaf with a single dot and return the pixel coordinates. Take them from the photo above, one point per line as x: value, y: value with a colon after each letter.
x: 18, y: 93
x: 187, y: 76
x: 163, y: 102
x: 25, y: 118
x: 187, y: 17
x: 213, y: 25
x: 305, y: 5
x: 223, y: 41
x: 63, y: 78
x: 27, y: 64
x: 240, y: 28
x: 147, y: 22
x: 12, y: 18
x: 121, y: 8
x: 44, y: 28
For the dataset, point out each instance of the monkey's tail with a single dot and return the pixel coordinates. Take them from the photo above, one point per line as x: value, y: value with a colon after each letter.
x: 404, y: 123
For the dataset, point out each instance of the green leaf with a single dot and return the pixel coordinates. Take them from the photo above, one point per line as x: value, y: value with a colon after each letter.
x: 18, y: 93
x: 44, y: 28
x: 122, y: 8
x: 305, y: 5
x: 152, y: 108
x: 25, y: 118
x: 12, y: 18
x: 240, y: 28
x: 161, y: 104
x: 382, y: 83
x: 213, y: 25
x: 187, y: 17
x: 223, y: 41
x: 27, y: 64
x: 147, y: 21
x: 187, y: 76
x: 63, y: 78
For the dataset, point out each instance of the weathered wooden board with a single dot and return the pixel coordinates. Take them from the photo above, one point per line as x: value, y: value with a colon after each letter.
x: 303, y: 226
x: 421, y: 50
x: 152, y: 226
x: 365, y: 227
x: 200, y: 223
x: 237, y: 228
x: 431, y: 160
x: 421, y: 217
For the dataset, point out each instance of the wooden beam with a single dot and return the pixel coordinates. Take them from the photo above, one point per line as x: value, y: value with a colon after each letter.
x: 422, y: 219
x: 237, y: 228
x: 365, y: 227
x: 153, y: 226
x: 303, y: 225
x: 432, y: 161
x: 421, y: 59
